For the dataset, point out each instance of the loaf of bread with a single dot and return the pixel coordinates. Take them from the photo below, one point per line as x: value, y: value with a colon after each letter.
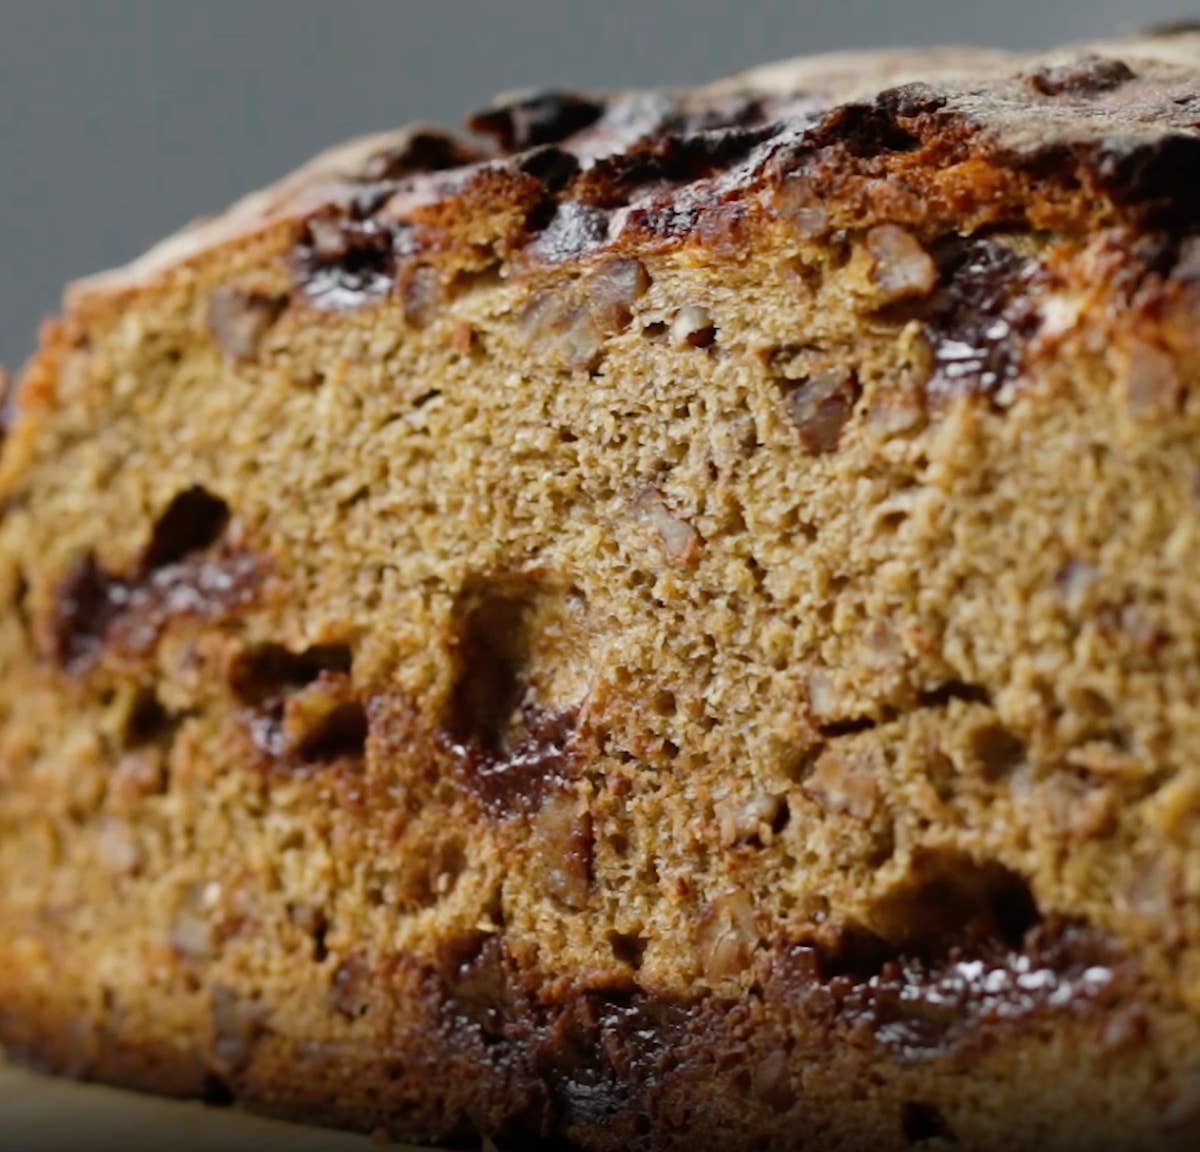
x: 670, y: 623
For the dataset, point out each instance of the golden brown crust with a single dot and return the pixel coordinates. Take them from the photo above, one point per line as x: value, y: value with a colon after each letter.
x: 1086, y: 112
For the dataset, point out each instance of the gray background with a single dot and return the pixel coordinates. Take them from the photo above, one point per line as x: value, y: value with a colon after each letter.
x: 121, y: 119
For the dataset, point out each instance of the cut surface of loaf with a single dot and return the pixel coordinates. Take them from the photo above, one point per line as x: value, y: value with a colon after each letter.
x: 670, y: 623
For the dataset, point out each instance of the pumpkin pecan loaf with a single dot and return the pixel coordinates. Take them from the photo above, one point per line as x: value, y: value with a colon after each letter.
x: 670, y: 623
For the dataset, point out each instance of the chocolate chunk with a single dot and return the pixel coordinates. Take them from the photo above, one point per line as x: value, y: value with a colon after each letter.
x: 976, y: 322
x: 1086, y: 77
x: 1154, y: 178
x: 609, y: 1058
x: 303, y: 706
x: 537, y: 118
x: 925, y: 1008
x: 552, y: 166
x: 94, y: 610
x: 344, y: 262
x: 478, y: 990
x: 670, y: 159
x: 885, y: 124
x: 518, y: 777
x: 608, y: 1054
x: 571, y: 230
x: 421, y: 152
x: 84, y: 607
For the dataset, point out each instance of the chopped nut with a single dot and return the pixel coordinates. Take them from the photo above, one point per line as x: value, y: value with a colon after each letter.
x: 349, y: 991
x: 1151, y: 381
x: 611, y: 291
x: 1074, y: 580
x: 820, y: 407
x: 728, y: 936
x: 882, y: 646
x: 772, y: 1081
x: 558, y: 328
x: 1151, y: 890
x: 681, y: 543
x: 722, y: 228
x: 844, y: 782
x: 237, y: 1025
x: 462, y: 337
x: 822, y: 696
x: 328, y: 237
x: 742, y: 820
x: 137, y: 774
x: 894, y: 413
x: 796, y: 202
x: 1061, y: 313
x: 421, y: 295
x: 562, y: 841
x: 693, y: 327
x: 192, y: 934
x: 901, y: 266
x: 116, y: 847
x: 1105, y: 759
x: 580, y: 344
x: 1080, y: 809
x: 1175, y: 805
x: 324, y: 719
x: 238, y: 319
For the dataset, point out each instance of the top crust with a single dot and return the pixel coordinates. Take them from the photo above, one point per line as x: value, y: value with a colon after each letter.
x: 557, y: 176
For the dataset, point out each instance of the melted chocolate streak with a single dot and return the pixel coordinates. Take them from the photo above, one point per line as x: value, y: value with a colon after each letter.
x: 602, y: 1056
x: 95, y: 610
x: 519, y: 777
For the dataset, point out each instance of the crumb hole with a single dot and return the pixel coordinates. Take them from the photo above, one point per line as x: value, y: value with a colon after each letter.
x: 20, y: 599
x: 492, y: 657
x: 995, y: 751
x: 339, y: 732
x: 193, y: 521
x: 940, y: 696
x: 628, y: 948
x: 663, y: 702
x: 952, y: 901
x: 147, y: 720
x: 266, y: 671
x: 846, y: 727
x: 922, y: 1123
